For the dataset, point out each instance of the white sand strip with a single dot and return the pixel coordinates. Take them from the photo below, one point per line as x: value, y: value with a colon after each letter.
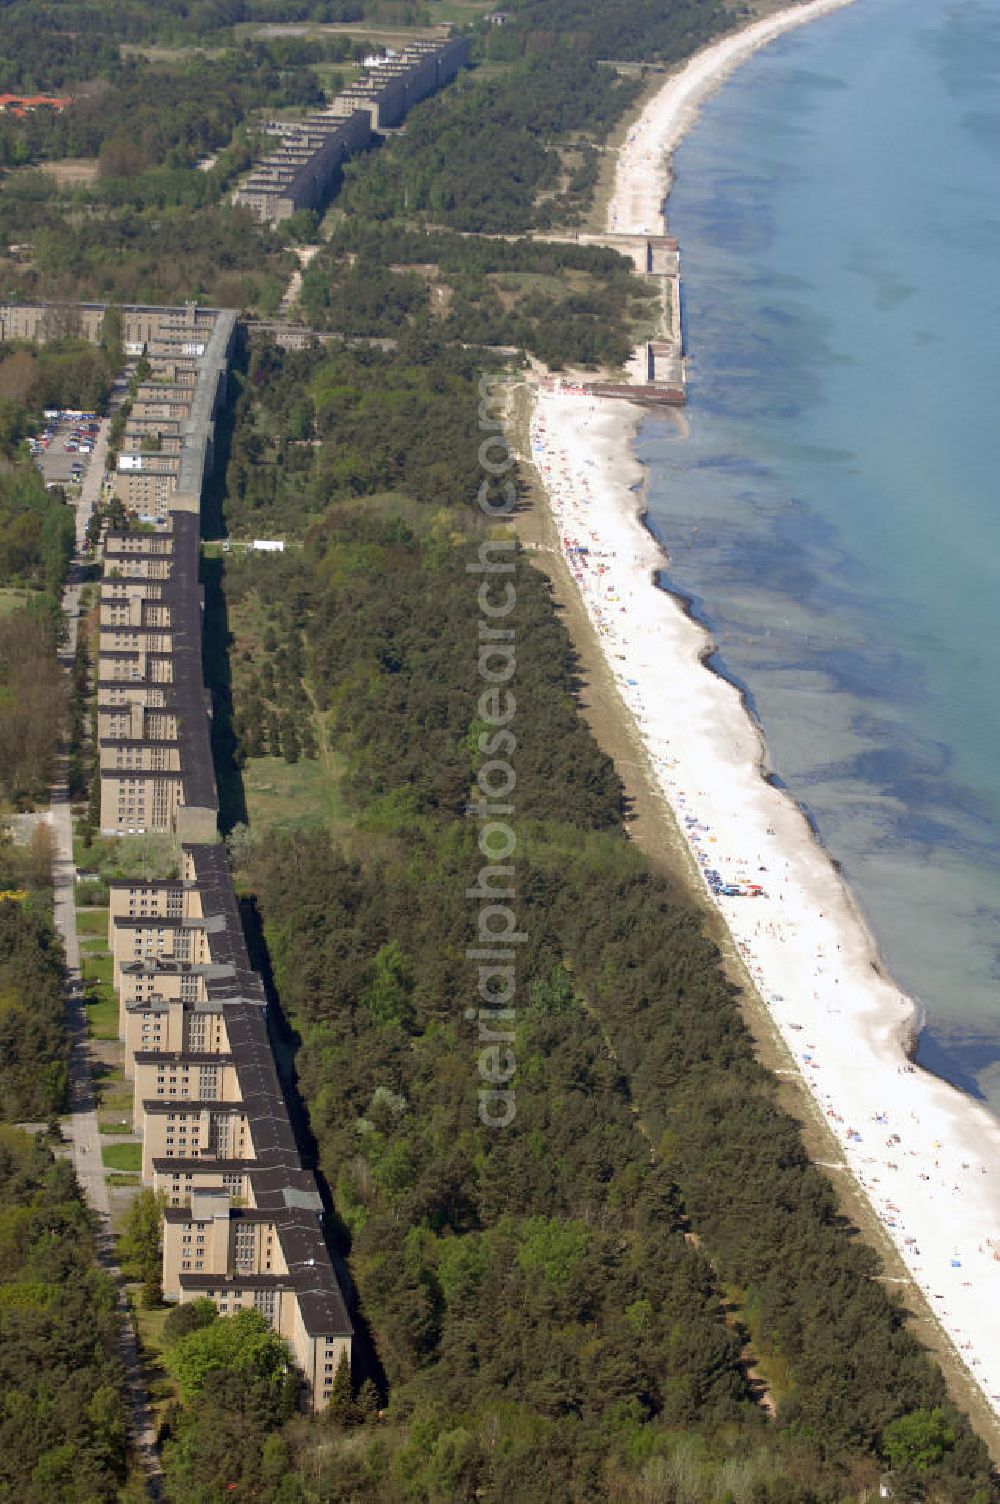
x: 642, y: 177
x: 926, y: 1156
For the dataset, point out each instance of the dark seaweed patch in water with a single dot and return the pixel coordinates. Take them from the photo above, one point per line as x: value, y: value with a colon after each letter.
x: 805, y: 81
x: 957, y: 1059
x: 734, y: 214
x: 780, y: 572
x: 902, y: 756
x: 875, y: 672
x: 925, y: 810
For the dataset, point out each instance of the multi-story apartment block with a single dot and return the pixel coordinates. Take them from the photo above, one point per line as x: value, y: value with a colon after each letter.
x: 140, y: 323
x: 171, y: 1013
x: 303, y: 169
x: 145, y: 483
x: 183, y: 1075
x: 216, y: 1129
x: 119, y: 754
x: 168, y: 935
x: 268, y: 1255
x: 245, y: 1225
x: 136, y: 800
x: 131, y: 713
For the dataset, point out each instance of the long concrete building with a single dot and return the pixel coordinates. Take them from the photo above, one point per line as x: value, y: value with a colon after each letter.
x: 245, y: 1220
x: 300, y: 173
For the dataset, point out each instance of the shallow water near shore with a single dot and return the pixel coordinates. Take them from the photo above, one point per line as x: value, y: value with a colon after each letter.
x: 834, y: 515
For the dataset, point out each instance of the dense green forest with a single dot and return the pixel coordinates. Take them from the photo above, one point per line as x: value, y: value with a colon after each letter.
x: 562, y: 302
x: 32, y: 1041
x: 37, y: 530
x: 62, y: 1423
x: 67, y: 371
x: 37, y: 526
x: 52, y: 44
x: 158, y: 115
x: 395, y: 415
x: 563, y: 1308
x: 62, y: 1420
x: 638, y: 1288
x: 149, y: 226
x: 479, y: 155
x: 220, y: 255
x: 510, y: 149
x: 621, y: 30
x: 32, y: 702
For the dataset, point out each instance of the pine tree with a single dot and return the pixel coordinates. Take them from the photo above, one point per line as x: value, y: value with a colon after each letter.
x: 152, y: 1289
x: 290, y: 745
x: 369, y: 1403
x: 342, y: 1407
x: 273, y: 735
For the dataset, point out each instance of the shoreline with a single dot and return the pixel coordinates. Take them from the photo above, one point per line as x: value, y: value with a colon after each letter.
x: 644, y: 176
x: 923, y: 1154
x: 909, y: 1030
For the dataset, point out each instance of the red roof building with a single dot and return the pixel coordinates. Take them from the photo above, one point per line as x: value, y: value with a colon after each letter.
x: 21, y: 104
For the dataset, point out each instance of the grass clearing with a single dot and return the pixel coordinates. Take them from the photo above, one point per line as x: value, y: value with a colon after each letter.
x: 152, y: 855
x: 93, y: 922
x: 283, y: 796
x: 115, y: 1095
x: 121, y: 1180
x: 457, y: 12
x: 101, y: 998
x: 72, y: 172
x: 385, y: 36
x: 127, y: 1157
x: 12, y: 599
x: 149, y: 1326
x: 102, y: 1017
x: 99, y: 968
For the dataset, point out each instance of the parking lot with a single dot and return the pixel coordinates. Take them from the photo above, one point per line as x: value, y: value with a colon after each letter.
x: 62, y: 451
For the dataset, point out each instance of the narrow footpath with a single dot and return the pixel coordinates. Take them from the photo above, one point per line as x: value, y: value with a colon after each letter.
x: 82, y: 1125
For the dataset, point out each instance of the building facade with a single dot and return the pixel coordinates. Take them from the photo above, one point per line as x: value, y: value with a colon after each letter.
x: 301, y: 172
x: 245, y: 1224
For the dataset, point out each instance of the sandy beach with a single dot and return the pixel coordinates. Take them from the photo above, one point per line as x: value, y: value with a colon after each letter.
x: 926, y: 1156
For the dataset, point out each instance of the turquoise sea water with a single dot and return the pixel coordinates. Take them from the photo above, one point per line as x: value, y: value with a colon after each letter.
x: 834, y: 515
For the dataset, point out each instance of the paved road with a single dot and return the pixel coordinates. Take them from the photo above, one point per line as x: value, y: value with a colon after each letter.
x: 82, y: 1125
